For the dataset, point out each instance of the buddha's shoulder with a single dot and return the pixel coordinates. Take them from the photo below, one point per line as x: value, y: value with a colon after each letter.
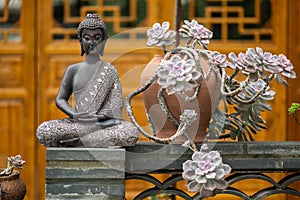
x: 73, y: 68
x: 109, y: 67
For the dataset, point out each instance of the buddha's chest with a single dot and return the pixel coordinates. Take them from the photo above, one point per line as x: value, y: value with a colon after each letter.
x: 84, y: 76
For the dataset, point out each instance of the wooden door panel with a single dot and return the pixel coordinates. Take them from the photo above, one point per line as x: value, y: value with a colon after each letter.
x: 17, y: 89
x: 293, y: 129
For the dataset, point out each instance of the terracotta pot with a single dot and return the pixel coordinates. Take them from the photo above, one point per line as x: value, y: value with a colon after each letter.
x: 12, y: 187
x: 205, y: 105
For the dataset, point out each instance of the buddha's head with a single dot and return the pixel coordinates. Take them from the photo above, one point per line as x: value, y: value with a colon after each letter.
x: 93, y: 24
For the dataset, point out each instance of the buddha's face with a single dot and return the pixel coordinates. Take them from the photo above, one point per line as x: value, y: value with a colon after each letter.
x: 91, y: 41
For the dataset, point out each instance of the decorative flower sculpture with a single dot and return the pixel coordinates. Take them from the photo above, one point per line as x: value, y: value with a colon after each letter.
x: 160, y: 35
x: 218, y: 59
x: 17, y: 161
x: 205, y: 172
x: 248, y: 97
x: 188, y: 116
x: 178, y: 75
x: 285, y: 66
x: 260, y: 63
x: 196, y: 32
x: 13, y: 162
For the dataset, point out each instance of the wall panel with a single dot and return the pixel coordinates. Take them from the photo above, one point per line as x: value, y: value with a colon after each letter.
x: 17, y: 89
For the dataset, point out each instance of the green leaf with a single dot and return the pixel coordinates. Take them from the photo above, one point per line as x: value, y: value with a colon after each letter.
x: 280, y: 80
x: 258, y: 126
x: 252, y: 129
x: 261, y: 120
x: 249, y: 133
x: 294, y: 107
x: 245, y: 115
x: 233, y: 135
x: 264, y: 105
x: 253, y: 113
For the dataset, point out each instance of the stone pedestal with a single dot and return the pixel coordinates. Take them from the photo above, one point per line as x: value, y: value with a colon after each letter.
x: 85, y: 173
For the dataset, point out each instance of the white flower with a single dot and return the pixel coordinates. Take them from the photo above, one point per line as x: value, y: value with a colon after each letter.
x: 205, y: 172
x: 16, y: 161
x: 285, y: 66
x: 178, y: 75
x: 160, y: 36
x: 196, y: 31
x: 218, y: 59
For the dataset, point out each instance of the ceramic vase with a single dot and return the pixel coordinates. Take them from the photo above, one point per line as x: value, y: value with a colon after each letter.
x: 204, y: 105
x: 12, y: 187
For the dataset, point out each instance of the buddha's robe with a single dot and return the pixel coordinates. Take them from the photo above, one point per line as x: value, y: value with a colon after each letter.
x: 102, y: 96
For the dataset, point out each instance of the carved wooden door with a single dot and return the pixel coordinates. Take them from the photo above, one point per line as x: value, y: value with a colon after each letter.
x: 18, y: 68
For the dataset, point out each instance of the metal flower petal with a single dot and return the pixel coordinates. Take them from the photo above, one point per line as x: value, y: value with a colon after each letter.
x: 208, y: 172
x: 178, y: 75
x: 159, y: 35
x: 16, y: 161
x: 196, y: 31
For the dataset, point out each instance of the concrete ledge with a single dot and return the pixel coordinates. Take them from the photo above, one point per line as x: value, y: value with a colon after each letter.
x: 84, y: 197
x: 85, y: 154
x: 85, y: 173
x: 241, y: 156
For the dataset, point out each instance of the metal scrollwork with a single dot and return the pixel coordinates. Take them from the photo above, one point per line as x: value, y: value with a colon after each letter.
x: 169, y: 186
x: 166, y: 186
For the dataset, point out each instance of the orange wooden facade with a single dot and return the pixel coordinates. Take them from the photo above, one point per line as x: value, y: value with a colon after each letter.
x: 36, y: 48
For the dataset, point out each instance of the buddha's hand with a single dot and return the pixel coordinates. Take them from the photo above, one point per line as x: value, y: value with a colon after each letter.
x: 87, y: 117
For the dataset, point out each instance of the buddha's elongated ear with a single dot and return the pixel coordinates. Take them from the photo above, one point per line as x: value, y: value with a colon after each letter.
x: 82, y: 52
x: 102, y: 47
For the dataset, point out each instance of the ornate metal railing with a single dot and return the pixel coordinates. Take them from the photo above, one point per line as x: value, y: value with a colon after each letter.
x: 256, y: 161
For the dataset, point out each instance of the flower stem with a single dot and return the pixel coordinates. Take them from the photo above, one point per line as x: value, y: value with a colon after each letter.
x: 193, y: 146
x: 296, y: 118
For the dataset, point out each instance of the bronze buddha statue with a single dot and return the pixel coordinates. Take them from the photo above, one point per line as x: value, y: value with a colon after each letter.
x: 96, y: 120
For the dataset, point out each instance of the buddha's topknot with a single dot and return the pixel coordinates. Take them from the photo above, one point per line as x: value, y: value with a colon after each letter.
x: 92, y: 22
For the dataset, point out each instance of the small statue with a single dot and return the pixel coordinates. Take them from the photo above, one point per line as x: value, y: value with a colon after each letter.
x: 96, y: 120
